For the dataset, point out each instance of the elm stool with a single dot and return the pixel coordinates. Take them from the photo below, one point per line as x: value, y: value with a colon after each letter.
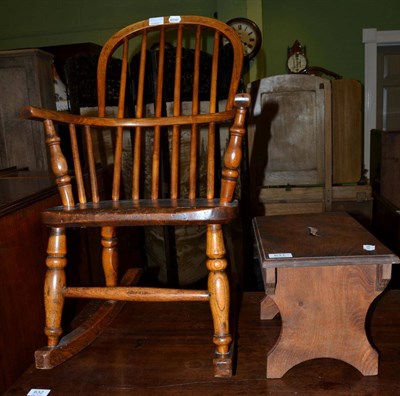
x: 321, y: 272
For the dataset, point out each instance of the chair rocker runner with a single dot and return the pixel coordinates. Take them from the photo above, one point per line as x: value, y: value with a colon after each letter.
x: 189, y: 202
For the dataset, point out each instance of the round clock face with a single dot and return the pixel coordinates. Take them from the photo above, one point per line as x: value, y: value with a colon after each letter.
x: 249, y: 33
x: 297, y: 62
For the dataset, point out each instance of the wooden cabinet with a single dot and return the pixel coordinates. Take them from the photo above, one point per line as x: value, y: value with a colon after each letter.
x: 385, y: 163
x: 25, y: 78
x: 385, y: 177
x: 23, y: 241
x: 289, y: 132
x: 305, y: 146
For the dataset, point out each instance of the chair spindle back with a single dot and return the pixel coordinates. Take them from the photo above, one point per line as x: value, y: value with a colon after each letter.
x: 169, y: 85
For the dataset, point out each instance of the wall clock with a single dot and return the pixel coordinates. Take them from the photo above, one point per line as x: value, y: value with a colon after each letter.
x: 297, y: 58
x: 249, y: 33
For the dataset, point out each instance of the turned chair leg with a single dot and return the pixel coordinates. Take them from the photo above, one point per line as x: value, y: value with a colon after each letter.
x: 218, y: 287
x: 54, y: 284
x: 110, y: 255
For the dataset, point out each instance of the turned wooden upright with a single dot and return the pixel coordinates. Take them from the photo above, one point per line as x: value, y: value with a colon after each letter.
x: 321, y: 272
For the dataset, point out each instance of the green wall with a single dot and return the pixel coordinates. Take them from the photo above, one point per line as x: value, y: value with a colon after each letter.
x: 330, y: 29
x: 36, y: 23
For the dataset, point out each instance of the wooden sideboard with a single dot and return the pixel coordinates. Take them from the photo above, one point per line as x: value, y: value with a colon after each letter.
x: 23, y: 241
x: 385, y: 179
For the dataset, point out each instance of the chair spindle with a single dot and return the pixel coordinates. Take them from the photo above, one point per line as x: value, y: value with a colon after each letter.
x: 155, y: 171
x: 211, y: 127
x: 92, y: 165
x: 77, y: 164
x: 139, y: 114
x: 195, y: 110
x: 176, y: 112
x: 119, y: 131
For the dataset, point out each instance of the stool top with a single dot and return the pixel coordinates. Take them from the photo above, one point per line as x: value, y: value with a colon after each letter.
x: 329, y: 238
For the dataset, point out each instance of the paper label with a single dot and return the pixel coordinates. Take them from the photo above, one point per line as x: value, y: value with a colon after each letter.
x: 174, y: 19
x: 280, y: 255
x: 38, y: 392
x: 370, y: 248
x: 156, y: 21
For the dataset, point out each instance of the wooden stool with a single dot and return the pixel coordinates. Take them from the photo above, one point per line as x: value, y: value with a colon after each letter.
x: 321, y: 272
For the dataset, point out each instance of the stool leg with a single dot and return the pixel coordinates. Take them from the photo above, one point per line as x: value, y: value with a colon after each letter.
x: 54, y: 284
x: 218, y: 287
x: 323, y: 312
x: 268, y: 309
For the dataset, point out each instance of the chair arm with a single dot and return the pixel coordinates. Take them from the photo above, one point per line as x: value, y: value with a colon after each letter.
x: 233, y: 153
x: 35, y: 113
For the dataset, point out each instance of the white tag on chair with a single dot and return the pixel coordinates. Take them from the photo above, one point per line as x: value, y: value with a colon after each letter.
x: 156, y: 21
x: 174, y: 19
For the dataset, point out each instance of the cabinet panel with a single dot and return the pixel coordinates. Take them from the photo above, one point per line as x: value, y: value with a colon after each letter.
x: 388, y: 86
x: 347, y: 131
x: 287, y: 130
x: 290, y: 144
x: 304, y: 136
x: 25, y: 78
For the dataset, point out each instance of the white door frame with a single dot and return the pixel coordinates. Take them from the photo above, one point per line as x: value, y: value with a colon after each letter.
x: 372, y: 39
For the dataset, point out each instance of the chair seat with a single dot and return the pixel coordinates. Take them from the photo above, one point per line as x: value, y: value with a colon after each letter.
x: 142, y: 213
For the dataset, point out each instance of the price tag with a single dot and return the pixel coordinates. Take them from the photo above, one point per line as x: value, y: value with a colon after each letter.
x: 38, y: 392
x: 369, y: 248
x: 174, y: 19
x: 280, y: 255
x: 156, y: 21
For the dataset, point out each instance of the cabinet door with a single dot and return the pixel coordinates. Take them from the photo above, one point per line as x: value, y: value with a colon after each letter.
x: 290, y: 131
x: 25, y: 78
x: 388, y: 88
x: 389, y: 166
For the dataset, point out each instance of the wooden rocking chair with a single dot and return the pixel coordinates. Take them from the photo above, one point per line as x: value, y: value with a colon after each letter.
x: 184, y: 206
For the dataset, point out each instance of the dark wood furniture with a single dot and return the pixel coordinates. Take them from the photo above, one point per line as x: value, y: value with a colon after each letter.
x: 196, y: 202
x: 23, y: 195
x: 129, y: 359
x: 322, y: 271
x: 385, y: 173
x: 25, y: 78
x: 385, y: 169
